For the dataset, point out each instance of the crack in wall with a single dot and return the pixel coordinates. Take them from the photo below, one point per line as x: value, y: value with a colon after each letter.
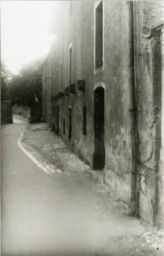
x: 148, y: 158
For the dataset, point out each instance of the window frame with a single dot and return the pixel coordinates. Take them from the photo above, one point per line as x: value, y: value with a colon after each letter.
x: 99, y: 69
x: 70, y: 67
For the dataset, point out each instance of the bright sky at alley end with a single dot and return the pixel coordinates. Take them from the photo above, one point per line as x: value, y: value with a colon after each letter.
x: 26, y: 31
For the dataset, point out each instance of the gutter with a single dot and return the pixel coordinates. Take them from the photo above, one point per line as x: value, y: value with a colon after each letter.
x: 134, y: 204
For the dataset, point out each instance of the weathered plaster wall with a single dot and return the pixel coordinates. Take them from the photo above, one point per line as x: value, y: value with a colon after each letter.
x: 148, y: 88
x: 117, y: 123
x: 76, y: 29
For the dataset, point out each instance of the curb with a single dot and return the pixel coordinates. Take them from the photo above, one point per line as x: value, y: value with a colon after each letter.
x: 35, y: 156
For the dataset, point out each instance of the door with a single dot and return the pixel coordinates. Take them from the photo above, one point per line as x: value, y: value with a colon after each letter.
x: 99, y: 147
x: 57, y: 119
x: 70, y: 123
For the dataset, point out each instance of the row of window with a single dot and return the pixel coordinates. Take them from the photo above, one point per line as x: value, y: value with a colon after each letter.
x: 98, y: 44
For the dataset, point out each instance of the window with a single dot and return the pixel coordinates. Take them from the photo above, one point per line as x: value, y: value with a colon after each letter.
x: 57, y: 79
x: 70, y: 9
x: 84, y: 120
x: 99, y: 36
x: 70, y: 65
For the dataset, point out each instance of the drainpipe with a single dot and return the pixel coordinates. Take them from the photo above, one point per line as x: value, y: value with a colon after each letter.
x: 133, y: 109
x: 160, y: 217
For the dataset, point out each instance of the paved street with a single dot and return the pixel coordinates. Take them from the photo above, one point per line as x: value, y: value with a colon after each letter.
x: 82, y: 128
x: 55, y: 214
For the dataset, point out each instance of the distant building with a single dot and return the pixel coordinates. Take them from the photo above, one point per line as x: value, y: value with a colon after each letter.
x: 103, y: 93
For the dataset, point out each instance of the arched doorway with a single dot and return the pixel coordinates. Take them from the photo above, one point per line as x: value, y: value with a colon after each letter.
x: 99, y: 147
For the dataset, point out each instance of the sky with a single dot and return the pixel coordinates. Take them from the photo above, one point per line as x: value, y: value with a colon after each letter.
x: 26, y: 31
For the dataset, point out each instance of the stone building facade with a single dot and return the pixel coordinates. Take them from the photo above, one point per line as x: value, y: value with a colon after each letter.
x: 102, y: 88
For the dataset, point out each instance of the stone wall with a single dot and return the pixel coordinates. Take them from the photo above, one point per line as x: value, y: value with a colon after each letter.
x: 148, y: 88
x: 76, y: 29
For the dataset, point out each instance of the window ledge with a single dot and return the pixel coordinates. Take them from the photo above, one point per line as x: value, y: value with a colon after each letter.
x: 98, y: 70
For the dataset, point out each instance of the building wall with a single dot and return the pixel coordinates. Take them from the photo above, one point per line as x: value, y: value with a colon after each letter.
x: 76, y: 29
x: 148, y: 87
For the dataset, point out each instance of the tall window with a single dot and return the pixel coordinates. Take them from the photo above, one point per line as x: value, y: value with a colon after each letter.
x: 84, y: 120
x: 99, y: 36
x: 60, y: 74
x: 57, y: 79
x: 70, y: 8
x: 70, y: 65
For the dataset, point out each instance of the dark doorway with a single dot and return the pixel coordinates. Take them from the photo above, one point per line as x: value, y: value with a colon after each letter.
x: 70, y: 123
x: 157, y: 101
x: 64, y: 125
x: 57, y: 119
x: 84, y: 120
x: 99, y: 147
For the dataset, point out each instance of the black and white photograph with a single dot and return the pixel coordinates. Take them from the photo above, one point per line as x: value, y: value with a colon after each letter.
x: 82, y: 128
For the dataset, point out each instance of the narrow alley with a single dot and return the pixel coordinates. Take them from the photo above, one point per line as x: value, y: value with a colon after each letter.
x: 82, y: 118
x: 60, y: 214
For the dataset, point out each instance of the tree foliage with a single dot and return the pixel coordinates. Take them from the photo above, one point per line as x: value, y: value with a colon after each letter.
x: 5, y: 75
x: 25, y: 88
